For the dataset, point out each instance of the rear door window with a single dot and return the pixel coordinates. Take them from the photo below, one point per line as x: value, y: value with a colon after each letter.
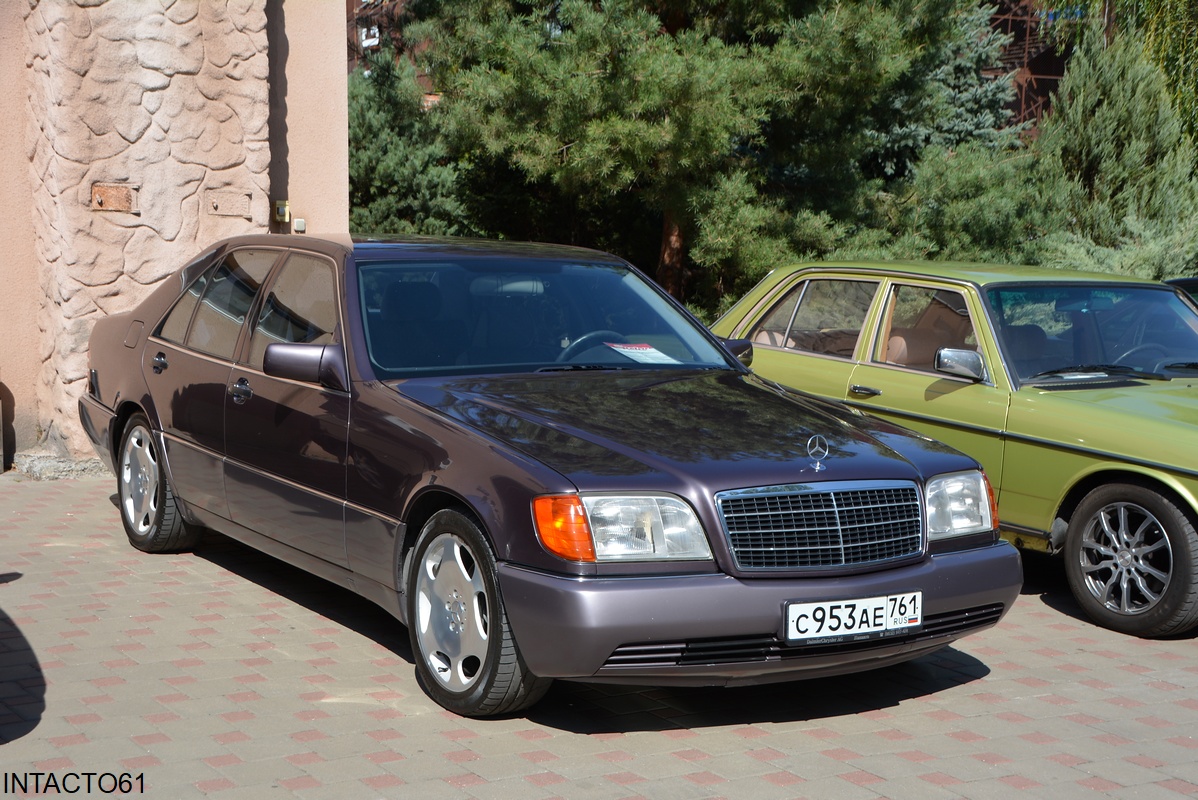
x: 227, y: 299
x: 823, y: 316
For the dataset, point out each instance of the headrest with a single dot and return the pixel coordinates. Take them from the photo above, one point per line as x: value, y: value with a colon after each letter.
x: 506, y: 286
x: 411, y: 300
x: 1025, y: 341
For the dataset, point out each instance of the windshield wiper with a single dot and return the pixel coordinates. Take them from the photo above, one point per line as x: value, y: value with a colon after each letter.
x: 578, y: 367
x: 1110, y: 369
x: 1182, y: 365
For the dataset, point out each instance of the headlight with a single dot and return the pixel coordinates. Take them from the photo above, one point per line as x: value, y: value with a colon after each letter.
x: 959, y: 503
x: 619, y: 528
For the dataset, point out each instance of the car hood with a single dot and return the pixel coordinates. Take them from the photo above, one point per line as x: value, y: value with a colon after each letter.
x: 1147, y: 421
x: 722, y: 429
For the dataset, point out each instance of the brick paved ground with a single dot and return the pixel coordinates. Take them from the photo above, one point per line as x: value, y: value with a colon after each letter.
x: 226, y: 674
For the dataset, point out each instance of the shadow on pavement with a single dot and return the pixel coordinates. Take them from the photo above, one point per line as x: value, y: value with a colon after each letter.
x: 315, y: 594
x: 603, y: 708
x: 1044, y: 577
x: 22, y: 684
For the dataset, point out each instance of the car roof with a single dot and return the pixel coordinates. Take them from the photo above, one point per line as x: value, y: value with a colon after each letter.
x: 980, y: 274
x: 407, y: 246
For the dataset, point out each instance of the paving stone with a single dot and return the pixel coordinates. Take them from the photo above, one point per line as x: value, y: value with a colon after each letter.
x: 223, y: 673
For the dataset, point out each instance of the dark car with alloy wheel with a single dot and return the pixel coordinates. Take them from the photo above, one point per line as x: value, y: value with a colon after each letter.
x: 540, y: 463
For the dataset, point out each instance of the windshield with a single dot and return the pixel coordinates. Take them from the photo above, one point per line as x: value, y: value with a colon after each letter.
x: 486, y: 315
x: 1055, y: 331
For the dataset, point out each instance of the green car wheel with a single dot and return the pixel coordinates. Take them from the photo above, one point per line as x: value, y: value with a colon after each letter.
x: 1131, y: 556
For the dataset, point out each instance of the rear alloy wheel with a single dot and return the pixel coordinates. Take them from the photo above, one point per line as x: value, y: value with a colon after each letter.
x: 465, y: 655
x: 148, y: 510
x: 1131, y: 555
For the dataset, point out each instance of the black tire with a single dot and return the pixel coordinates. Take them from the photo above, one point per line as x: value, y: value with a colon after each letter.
x: 151, y: 517
x: 1131, y: 556
x: 465, y: 655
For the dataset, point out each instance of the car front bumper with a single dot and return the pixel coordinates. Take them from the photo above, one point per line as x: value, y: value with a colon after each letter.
x: 719, y: 630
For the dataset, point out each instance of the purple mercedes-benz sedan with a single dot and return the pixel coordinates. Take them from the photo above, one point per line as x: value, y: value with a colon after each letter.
x: 540, y: 463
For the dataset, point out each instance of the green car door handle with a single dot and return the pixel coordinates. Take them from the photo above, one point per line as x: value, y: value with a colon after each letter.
x: 869, y: 391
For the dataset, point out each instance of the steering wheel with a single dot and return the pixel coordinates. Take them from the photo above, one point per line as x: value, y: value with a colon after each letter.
x: 587, y: 341
x: 1143, y: 348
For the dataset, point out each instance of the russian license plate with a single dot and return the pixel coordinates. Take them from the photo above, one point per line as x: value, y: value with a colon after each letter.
x: 867, y: 618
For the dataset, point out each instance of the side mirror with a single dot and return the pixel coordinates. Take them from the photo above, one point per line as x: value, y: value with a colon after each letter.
x: 962, y: 363
x: 741, y: 349
x: 309, y: 363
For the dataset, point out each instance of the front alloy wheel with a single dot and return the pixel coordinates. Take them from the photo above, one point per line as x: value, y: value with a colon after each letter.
x: 1131, y: 561
x: 452, y: 618
x: 465, y: 655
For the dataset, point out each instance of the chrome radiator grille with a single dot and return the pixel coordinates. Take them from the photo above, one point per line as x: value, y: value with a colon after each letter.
x: 815, y: 526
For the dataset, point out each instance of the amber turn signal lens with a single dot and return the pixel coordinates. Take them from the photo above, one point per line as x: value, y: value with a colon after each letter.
x: 993, y: 499
x: 562, y: 525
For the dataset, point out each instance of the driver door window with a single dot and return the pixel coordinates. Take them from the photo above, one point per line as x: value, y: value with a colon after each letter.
x: 300, y: 308
x: 920, y: 321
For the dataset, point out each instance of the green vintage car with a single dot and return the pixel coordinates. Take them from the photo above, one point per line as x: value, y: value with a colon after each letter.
x: 1078, y: 392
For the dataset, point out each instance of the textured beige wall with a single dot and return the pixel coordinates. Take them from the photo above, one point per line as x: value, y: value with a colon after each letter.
x: 20, y: 349
x: 179, y: 104
x: 313, y: 96
x: 167, y: 101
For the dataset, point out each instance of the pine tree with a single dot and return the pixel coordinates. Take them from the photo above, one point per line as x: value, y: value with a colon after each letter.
x: 714, y: 138
x: 664, y: 105
x: 1170, y: 32
x: 1113, y: 153
x: 973, y: 106
x: 401, y: 176
x: 598, y: 101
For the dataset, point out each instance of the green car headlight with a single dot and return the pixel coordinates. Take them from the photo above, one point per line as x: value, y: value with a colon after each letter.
x: 958, y: 504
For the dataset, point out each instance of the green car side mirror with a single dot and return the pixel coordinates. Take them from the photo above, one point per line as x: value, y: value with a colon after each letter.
x: 963, y: 363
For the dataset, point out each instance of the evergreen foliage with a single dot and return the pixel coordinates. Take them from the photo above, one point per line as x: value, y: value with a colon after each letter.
x: 975, y: 203
x: 596, y: 101
x: 718, y: 140
x: 1114, y: 157
x: 973, y: 107
x: 760, y: 119
x: 402, y: 178
x: 1108, y: 185
x: 1170, y: 31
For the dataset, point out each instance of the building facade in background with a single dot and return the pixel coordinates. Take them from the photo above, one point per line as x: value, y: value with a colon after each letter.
x: 137, y: 133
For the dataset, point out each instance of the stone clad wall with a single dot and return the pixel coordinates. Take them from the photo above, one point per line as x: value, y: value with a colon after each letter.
x: 147, y: 140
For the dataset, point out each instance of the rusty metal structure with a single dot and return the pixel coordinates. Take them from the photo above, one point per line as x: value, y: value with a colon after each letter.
x: 369, y: 24
x: 1034, y: 54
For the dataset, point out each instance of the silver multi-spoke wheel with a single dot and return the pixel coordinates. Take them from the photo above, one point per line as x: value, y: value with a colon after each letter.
x: 1131, y: 555
x: 151, y: 518
x: 465, y: 653
x: 1126, y: 558
x: 451, y: 605
x: 139, y: 481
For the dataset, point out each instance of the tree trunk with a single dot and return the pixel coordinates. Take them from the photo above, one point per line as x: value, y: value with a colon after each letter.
x: 669, y: 263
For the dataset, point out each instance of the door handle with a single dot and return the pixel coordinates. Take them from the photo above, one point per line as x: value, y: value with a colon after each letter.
x: 158, y: 363
x: 241, y: 391
x: 868, y: 391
